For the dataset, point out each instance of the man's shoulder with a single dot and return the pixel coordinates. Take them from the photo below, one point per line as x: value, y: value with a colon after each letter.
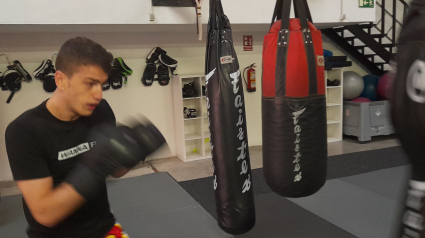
x: 26, y: 119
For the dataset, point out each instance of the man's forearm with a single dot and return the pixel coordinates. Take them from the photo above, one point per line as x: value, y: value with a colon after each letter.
x: 58, y: 204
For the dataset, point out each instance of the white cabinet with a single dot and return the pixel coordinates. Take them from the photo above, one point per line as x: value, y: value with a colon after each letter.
x: 192, y: 134
x: 334, y: 105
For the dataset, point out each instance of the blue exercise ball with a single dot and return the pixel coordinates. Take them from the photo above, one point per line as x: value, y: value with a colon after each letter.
x: 327, y: 53
x: 370, y: 89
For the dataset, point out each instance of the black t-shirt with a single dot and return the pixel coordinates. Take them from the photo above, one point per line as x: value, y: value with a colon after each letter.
x: 39, y: 145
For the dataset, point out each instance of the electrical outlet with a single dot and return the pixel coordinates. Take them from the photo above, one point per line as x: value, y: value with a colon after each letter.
x: 152, y: 17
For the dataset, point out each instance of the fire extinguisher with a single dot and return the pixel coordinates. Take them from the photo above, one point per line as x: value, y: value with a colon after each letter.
x: 250, y: 84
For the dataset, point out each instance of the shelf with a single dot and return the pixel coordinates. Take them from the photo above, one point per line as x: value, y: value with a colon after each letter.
x: 332, y: 122
x: 192, y: 76
x: 192, y: 98
x: 193, y: 156
x: 193, y: 137
x: 333, y: 139
x: 333, y: 87
x: 332, y: 104
x: 195, y: 118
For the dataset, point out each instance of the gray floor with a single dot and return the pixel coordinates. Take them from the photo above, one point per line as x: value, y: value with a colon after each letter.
x: 151, y: 206
x: 366, y: 205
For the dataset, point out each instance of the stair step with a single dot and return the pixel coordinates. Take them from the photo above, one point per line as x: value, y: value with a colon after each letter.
x: 373, y: 35
x: 388, y: 45
x: 379, y: 35
x: 369, y: 55
x: 364, y: 26
x: 381, y: 63
x: 339, y: 29
x: 360, y: 47
x: 367, y: 26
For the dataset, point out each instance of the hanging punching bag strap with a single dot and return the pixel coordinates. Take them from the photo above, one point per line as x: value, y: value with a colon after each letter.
x: 282, y: 46
x: 301, y: 8
x: 277, y: 12
x: 307, y: 10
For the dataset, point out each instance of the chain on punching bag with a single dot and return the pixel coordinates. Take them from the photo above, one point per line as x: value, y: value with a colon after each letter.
x: 408, y: 114
x: 229, y: 142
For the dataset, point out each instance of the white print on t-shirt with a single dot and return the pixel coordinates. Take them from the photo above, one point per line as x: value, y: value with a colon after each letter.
x: 72, y: 152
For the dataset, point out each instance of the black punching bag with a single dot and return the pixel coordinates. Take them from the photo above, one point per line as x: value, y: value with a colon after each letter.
x: 229, y: 142
x: 408, y: 114
x: 294, y: 103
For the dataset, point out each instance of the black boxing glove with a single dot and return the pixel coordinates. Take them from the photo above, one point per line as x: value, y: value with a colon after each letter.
x: 116, y: 148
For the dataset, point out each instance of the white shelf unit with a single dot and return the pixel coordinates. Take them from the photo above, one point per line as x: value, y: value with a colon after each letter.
x: 192, y: 134
x: 334, y: 103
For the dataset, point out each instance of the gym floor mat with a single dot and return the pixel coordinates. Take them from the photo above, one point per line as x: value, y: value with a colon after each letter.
x: 277, y: 217
x: 390, y: 183
x: 152, y: 205
x: 363, y: 197
x: 361, y: 212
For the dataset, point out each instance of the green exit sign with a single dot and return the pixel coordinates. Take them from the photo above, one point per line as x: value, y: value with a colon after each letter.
x: 367, y: 3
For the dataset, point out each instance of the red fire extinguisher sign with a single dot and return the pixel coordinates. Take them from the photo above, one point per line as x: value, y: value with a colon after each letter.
x: 247, y: 43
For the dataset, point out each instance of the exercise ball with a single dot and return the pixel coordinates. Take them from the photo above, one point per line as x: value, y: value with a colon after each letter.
x: 361, y: 99
x: 370, y: 87
x: 352, y: 85
x: 327, y: 53
x: 384, y: 85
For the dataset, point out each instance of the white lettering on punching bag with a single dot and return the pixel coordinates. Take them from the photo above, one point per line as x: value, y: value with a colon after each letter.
x: 297, y: 148
x: 241, y: 133
x: 235, y: 76
x: 207, y: 78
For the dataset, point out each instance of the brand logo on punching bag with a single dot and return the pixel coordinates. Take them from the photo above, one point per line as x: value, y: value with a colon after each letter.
x: 297, y: 149
x: 320, y: 61
x: 241, y: 135
x: 226, y: 59
x: 416, y: 82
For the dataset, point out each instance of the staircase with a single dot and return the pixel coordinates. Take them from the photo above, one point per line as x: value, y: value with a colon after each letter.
x: 373, y: 45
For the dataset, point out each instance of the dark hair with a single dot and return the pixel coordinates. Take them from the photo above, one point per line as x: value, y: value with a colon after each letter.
x: 82, y: 51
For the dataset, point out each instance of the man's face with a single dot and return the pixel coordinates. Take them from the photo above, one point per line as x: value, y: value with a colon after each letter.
x: 83, y: 91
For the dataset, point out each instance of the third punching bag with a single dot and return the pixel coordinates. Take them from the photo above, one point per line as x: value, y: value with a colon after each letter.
x: 408, y: 115
x: 294, y: 104
x: 229, y: 142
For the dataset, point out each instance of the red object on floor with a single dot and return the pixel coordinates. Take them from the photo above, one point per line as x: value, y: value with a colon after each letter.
x: 116, y: 232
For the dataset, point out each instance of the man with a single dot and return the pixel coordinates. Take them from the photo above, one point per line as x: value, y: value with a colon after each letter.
x: 58, y: 167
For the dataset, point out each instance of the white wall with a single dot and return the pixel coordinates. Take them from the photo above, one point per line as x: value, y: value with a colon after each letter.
x: 137, y: 12
x: 155, y: 101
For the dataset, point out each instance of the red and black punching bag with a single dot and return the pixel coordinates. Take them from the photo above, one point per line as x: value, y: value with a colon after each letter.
x: 294, y: 103
x: 227, y: 122
x: 408, y: 114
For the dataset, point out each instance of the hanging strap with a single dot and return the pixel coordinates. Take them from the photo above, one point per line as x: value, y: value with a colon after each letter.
x: 303, y: 13
x: 307, y: 10
x: 199, y: 17
x: 7, y: 59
